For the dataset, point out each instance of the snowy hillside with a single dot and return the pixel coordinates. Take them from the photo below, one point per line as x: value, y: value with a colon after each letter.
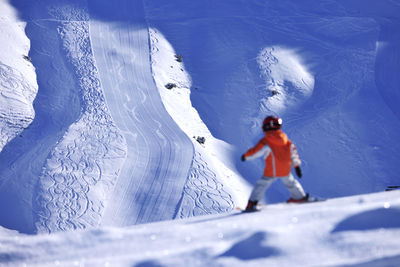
x: 116, y: 115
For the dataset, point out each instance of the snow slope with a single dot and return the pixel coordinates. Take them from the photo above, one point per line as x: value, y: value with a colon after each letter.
x: 354, y: 231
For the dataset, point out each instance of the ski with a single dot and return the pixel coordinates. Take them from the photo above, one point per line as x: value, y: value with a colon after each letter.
x: 258, y: 208
x: 312, y: 199
x: 392, y: 187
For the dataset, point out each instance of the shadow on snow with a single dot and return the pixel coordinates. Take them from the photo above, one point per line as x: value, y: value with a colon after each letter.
x: 369, y: 220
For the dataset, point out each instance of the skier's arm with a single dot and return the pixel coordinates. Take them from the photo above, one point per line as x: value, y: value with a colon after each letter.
x: 259, y: 150
x: 296, y: 160
x: 298, y: 171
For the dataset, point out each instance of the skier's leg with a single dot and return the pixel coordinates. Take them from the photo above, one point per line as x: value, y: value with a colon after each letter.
x: 260, y: 187
x: 294, y: 187
x: 258, y: 192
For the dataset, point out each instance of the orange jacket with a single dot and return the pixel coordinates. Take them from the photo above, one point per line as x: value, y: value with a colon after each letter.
x: 279, y: 153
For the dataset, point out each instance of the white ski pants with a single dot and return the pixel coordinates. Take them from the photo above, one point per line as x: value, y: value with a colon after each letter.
x: 294, y: 187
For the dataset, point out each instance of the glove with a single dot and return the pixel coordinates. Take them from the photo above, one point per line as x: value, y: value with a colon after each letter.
x: 243, y: 158
x: 298, y: 171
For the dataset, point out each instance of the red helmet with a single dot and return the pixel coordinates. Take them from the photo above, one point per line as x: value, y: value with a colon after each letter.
x: 272, y: 123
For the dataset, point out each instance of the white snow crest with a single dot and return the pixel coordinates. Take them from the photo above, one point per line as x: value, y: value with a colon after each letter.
x: 18, y: 85
x: 167, y: 70
x: 82, y: 169
x: 206, y: 190
x: 288, y: 81
x: 16, y: 97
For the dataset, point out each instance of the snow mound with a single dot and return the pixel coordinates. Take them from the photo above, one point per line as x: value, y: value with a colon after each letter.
x: 287, y: 79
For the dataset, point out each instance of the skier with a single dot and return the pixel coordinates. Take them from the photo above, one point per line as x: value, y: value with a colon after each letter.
x: 280, y: 155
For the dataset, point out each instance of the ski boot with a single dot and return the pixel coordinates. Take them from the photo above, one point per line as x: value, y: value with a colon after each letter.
x: 301, y: 200
x: 251, y: 206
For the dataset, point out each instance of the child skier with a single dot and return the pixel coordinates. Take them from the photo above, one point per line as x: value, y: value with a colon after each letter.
x: 280, y: 155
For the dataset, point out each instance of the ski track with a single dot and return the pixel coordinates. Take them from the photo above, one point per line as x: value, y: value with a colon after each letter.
x: 203, y: 194
x: 81, y: 170
x: 159, y: 153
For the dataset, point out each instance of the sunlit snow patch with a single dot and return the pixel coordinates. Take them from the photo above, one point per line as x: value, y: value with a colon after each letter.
x: 287, y: 80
